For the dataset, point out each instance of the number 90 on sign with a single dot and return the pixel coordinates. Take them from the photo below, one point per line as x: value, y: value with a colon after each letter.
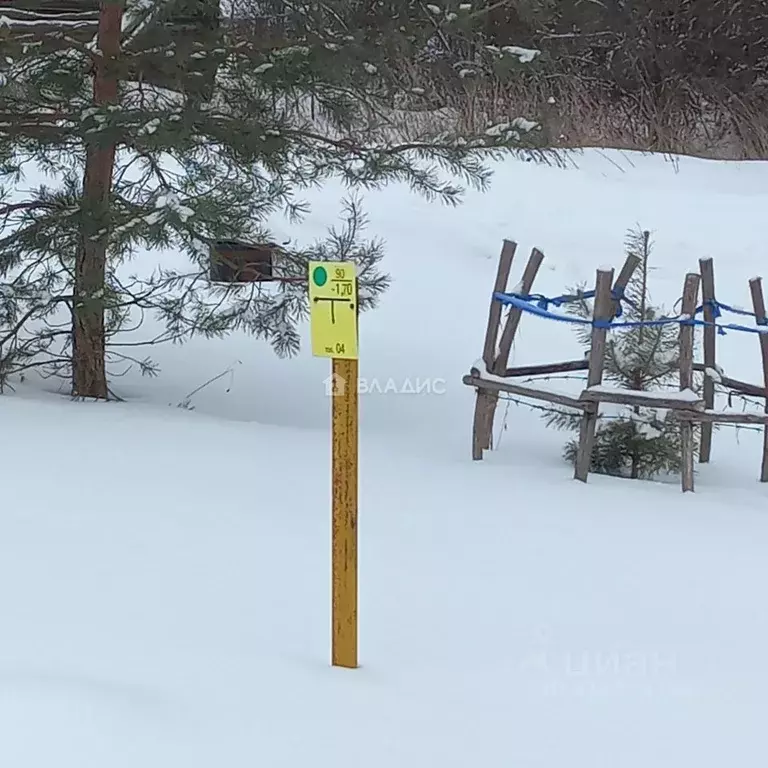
x: 333, y: 309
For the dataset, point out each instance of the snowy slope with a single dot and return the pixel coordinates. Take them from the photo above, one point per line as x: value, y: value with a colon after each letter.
x: 170, y: 605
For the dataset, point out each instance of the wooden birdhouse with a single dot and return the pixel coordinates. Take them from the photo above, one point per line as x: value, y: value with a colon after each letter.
x: 233, y: 262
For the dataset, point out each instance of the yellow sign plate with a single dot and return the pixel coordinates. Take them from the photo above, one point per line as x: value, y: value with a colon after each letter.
x: 333, y: 309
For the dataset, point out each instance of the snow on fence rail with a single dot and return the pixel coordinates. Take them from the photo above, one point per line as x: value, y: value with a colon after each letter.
x: 491, y: 375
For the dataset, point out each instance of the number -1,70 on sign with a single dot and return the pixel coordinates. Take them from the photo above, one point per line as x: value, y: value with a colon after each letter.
x: 333, y: 309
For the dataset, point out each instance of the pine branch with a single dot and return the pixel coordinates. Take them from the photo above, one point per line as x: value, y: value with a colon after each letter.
x: 217, y: 133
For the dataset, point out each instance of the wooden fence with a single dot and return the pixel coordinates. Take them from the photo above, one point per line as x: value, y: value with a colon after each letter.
x: 684, y: 405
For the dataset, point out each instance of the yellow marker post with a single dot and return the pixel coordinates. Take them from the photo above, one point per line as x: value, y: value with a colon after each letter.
x: 333, y: 319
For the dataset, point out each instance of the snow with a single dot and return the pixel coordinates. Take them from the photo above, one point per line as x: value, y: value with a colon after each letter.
x: 525, y: 55
x: 524, y: 125
x: 683, y: 395
x: 648, y: 424
x: 6, y: 21
x: 164, y: 573
x: 519, y: 122
x: 170, y: 200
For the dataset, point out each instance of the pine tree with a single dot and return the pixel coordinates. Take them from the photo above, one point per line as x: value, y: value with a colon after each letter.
x: 636, y: 442
x: 167, y: 128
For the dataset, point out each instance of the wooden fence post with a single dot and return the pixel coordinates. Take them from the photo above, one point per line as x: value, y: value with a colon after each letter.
x: 707, y: 270
x: 758, y: 306
x: 505, y: 344
x: 483, y: 400
x: 690, y: 296
x: 625, y: 275
x: 513, y: 318
x: 506, y: 258
x: 603, y: 310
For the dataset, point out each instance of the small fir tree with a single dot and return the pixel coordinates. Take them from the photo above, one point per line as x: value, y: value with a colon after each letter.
x: 637, y: 442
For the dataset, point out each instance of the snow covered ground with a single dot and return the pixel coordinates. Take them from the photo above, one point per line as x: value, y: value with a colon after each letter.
x: 170, y: 606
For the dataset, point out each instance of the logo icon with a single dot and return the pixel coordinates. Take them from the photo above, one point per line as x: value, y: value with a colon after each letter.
x: 335, y: 385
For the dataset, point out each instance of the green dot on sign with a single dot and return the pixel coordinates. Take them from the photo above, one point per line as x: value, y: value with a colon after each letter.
x: 320, y: 276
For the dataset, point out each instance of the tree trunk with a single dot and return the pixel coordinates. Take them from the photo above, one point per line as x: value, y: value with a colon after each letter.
x: 89, y: 375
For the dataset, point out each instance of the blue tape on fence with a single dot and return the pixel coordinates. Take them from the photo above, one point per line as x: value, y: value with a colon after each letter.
x: 544, y: 302
x: 718, y: 307
x: 525, y: 303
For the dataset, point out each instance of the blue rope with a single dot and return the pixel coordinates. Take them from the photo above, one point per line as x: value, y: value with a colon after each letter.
x: 525, y: 303
x: 718, y: 307
x: 544, y: 302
